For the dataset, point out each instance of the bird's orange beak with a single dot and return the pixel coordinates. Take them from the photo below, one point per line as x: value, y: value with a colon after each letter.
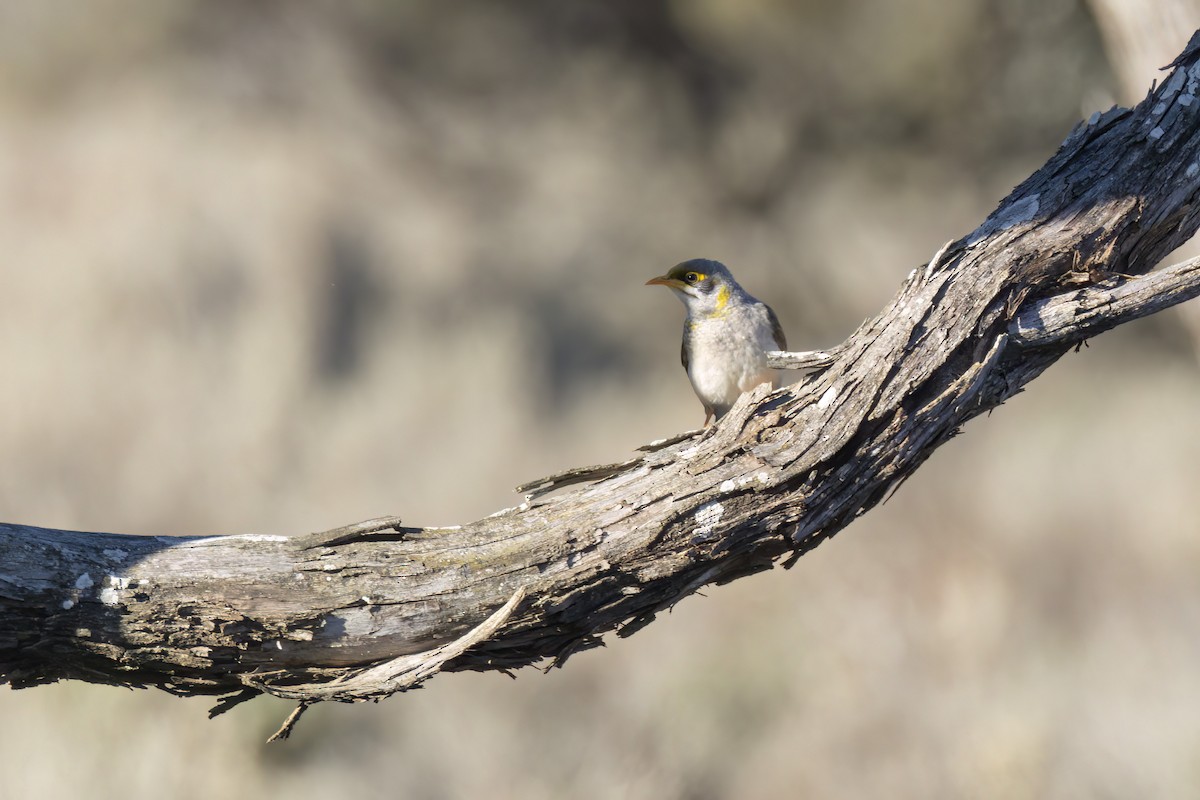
x: 663, y: 280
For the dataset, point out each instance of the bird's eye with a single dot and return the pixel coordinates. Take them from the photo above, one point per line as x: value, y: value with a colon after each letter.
x: 691, y: 277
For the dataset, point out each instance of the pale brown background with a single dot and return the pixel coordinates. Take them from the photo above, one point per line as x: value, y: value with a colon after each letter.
x: 275, y: 267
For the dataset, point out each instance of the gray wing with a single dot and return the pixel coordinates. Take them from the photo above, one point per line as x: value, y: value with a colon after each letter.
x: 683, y: 348
x: 776, y: 328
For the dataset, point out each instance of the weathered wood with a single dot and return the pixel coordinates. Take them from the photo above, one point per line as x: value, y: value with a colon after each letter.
x: 374, y: 608
x: 1092, y: 310
x: 805, y: 359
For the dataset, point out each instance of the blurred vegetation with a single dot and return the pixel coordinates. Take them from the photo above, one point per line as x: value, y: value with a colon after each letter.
x: 279, y: 266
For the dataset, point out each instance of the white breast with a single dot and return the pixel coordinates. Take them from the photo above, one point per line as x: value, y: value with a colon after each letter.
x: 728, y: 356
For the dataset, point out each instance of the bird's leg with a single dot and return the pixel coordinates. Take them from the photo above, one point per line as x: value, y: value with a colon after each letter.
x: 709, y: 413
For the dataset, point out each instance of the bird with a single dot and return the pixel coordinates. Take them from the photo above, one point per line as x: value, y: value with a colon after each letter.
x: 726, y: 334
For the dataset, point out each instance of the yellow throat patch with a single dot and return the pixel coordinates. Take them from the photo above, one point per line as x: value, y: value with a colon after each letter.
x: 722, y: 300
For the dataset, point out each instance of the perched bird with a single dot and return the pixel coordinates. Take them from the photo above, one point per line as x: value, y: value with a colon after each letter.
x: 725, y: 336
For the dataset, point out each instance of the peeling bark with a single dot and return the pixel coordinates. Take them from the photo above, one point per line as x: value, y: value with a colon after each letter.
x: 370, y: 609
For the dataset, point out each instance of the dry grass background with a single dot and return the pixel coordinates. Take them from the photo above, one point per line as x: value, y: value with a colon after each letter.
x: 274, y: 267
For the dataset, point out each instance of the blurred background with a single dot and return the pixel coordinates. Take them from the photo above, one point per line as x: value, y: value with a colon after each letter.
x: 276, y: 267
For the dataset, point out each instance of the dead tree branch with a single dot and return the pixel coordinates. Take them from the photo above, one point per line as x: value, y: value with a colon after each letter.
x: 367, y: 610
